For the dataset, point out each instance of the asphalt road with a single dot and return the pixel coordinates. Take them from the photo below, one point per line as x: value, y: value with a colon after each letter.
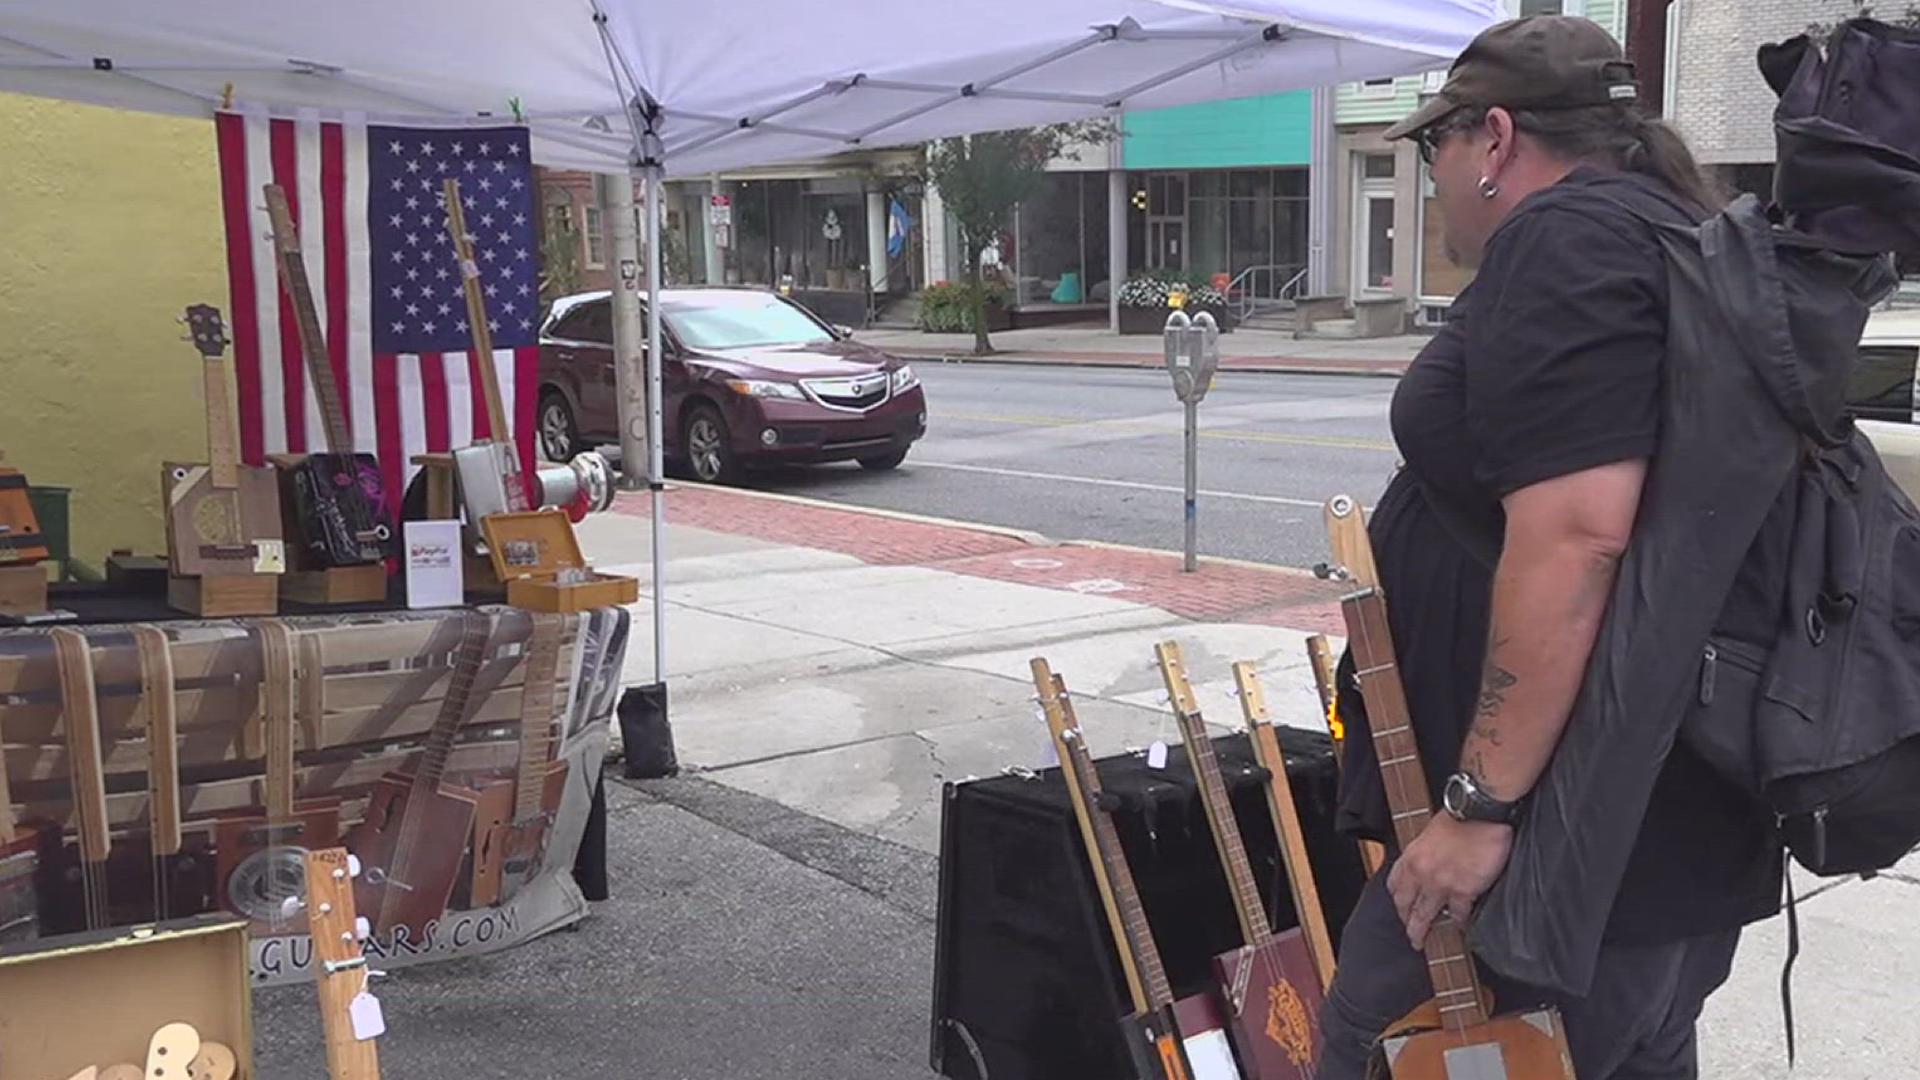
x: 1096, y: 454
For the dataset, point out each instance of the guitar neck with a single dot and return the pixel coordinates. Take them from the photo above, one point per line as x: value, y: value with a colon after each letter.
x: 163, y: 742
x: 1287, y: 828
x: 477, y: 324
x: 306, y: 315
x: 536, y: 715
x: 1155, y: 992
x: 1254, y: 924
x: 223, y: 448
x: 277, y: 709
x: 81, y: 717
x: 475, y: 630
x: 1409, y: 800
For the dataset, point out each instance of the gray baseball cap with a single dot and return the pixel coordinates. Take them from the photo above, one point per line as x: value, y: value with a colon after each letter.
x: 1539, y: 62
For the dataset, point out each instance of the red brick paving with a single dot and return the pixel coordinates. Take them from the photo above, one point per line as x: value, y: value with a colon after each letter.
x: 1216, y: 592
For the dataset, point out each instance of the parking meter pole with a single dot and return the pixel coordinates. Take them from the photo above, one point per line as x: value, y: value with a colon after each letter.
x: 1193, y: 485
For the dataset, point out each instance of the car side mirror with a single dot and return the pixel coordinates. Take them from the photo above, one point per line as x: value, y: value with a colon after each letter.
x: 842, y: 332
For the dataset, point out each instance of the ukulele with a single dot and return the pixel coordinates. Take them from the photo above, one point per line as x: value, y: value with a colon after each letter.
x: 338, y: 496
x: 414, y: 838
x: 1468, y: 1042
x: 514, y: 818
x: 222, y: 517
x: 261, y: 859
x: 1165, y: 1039
x: 490, y: 476
x: 1270, y: 984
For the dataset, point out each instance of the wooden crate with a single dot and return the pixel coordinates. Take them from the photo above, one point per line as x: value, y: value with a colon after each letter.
x: 226, y: 595
x: 97, y: 998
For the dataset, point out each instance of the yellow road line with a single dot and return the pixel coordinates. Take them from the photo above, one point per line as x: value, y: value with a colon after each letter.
x: 1226, y: 435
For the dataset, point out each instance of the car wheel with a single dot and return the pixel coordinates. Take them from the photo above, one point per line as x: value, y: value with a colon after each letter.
x: 886, y: 461
x: 559, y: 436
x: 708, y: 447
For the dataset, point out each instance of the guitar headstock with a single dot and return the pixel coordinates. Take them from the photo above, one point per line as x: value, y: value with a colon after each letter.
x: 1173, y: 668
x: 1052, y: 699
x: 1253, y: 697
x: 209, y: 330
x: 1352, y: 551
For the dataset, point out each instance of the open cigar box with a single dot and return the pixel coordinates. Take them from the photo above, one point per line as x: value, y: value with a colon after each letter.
x: 538, y: 556
x: 98, y: 998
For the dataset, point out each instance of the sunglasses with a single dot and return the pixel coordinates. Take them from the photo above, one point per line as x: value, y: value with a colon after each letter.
x: 1429, y: 140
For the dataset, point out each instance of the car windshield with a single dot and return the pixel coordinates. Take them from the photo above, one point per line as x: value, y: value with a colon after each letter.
x: 738, y: 323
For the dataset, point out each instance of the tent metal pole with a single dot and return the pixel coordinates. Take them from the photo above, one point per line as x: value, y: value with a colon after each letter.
x: 655, y: 177
x: 729, y: 125
x: 1266, y: 36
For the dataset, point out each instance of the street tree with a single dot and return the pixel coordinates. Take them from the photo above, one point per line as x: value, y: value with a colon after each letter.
x: 981, y: 178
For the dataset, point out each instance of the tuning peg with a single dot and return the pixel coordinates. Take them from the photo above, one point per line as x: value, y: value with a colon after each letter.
x: 353, y: 865
x: 291, y: 906
x: 362, y: 928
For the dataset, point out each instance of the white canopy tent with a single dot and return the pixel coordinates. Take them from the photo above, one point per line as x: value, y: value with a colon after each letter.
x: 672, y: 88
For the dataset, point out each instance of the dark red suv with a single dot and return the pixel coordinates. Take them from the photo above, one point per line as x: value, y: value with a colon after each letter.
x: 752, y: 379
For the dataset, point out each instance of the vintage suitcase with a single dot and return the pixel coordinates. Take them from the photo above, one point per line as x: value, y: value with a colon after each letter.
x: 1027, y: 985
x: 96, y: 999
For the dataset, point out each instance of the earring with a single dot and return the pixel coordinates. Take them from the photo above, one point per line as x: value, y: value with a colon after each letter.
x: 1488, y: 189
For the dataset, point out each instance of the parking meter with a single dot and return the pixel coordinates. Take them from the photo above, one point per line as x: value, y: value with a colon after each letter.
x: 1193, y: 354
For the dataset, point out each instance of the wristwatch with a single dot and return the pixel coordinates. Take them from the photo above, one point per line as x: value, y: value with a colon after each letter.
x: 1465, y: 800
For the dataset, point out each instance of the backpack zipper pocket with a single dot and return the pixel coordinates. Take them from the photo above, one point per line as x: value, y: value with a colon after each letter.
x: 1715, y: 653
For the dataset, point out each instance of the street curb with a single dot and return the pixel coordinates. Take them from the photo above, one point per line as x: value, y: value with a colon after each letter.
x: 1219, y: 560
x: 1025, y: 536
x: 1250, y: 369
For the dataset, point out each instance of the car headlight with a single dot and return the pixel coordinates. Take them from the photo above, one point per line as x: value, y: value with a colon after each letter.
x: 761, y: 388
x: 904, y: 379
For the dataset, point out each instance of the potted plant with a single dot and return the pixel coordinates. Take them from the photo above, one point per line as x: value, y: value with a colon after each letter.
x: 946, y: 307
x: 1144, y: 301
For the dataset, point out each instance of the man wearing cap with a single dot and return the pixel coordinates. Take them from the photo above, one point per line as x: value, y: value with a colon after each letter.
x: 1526, y: 426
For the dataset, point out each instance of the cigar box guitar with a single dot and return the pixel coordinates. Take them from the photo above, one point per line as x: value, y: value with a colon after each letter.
x: 513, y: 818
x: 223, y: 518
x: 418, y: 826
x: 1468, y: 1043
x: 1270, y: 985
x: 1166, y: 1039
x: 20, y: 539
x: 338, y: 495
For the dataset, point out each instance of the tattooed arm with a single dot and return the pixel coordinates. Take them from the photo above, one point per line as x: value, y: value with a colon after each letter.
x: 1564, y: 540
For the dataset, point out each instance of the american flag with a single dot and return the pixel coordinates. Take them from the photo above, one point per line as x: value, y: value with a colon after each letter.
x: 368, y: 202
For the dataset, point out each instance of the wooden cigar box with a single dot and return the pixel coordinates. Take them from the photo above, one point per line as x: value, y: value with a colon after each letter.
x: 538, y: 556
x: 97, y: 998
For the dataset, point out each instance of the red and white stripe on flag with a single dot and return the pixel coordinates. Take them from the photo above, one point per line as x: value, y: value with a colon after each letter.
x: 398, y: 404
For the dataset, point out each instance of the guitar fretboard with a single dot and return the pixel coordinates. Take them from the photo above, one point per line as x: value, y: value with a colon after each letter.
x: 1455, y: 983
x: 1255, y: 927
x: 276, y: 713
x: 536, y: 715
x: 1126, y: 896
x: 293, y: 275
x: 475, y: 630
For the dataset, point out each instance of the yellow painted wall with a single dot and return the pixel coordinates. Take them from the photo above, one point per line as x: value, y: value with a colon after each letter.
x: 110, y: 226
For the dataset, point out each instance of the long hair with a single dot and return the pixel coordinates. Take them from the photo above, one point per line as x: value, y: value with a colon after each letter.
x: 1625, y: 138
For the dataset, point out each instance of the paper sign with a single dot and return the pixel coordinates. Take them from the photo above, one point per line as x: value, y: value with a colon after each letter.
x: 368, y: 1022
x: 436, y: 577
x: 1157, y: 755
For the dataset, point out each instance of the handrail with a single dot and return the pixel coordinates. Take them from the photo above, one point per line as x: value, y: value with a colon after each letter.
x: 1246, y: 284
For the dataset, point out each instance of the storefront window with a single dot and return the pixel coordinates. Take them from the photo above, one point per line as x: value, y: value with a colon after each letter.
x: 1060, y: 242
x: 1248, y: 220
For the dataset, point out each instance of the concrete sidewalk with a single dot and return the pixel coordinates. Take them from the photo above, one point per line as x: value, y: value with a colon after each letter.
x: 1094, y: 346
x: 772, y: 910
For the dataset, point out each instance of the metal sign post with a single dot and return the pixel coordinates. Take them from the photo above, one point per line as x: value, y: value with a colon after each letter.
x: 1193, y: 354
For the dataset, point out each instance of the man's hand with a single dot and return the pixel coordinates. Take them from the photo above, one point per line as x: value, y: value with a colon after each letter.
x: 1445, y: 870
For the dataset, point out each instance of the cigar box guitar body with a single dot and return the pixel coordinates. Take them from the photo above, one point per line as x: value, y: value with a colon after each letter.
x: 1468, y: 1042
x: 222, y: 517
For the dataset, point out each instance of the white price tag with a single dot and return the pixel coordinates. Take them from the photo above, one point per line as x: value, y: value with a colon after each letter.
x: 368, y: 1023
x: 1157, y: 755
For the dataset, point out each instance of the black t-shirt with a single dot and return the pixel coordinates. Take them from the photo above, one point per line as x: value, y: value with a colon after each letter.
x: 1551, y: 364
